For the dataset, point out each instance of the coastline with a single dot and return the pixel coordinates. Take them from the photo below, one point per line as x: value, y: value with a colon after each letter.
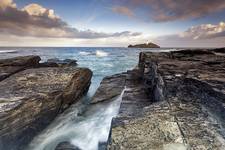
x: 165, y: 91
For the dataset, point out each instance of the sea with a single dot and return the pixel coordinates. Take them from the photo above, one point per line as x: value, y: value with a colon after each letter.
x: 83, y: 125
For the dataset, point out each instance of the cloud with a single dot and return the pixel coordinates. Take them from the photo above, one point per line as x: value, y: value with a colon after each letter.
x: 205, y: 31
x: 123, y: 10
x: 170, y: 10
x: 7, y: 3
x: 204, y: 35
x: 36, y: 21
x: 38, y: 10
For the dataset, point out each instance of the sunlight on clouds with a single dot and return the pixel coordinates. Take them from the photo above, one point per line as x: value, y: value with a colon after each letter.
x: 204, y: 31
x: 7, y: 3
x: 38, y: 10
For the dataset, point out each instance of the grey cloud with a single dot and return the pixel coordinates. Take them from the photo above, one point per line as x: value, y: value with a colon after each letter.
x: 205, y: 35
x: 36, y: 21
x: 170, y: 10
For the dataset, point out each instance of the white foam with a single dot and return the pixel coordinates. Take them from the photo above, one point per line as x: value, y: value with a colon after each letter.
x: 100, y: 53
x: 8, y: 51
x: 84, y: 53
x: 96, y: 129
x: 85, y: 134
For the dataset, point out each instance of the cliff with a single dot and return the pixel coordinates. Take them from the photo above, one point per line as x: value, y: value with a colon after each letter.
x: 148, y: 45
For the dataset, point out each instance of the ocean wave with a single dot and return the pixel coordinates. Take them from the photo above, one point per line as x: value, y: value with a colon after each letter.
x: 84, y: 53
x: 100, y: 53
x: 8, y: 51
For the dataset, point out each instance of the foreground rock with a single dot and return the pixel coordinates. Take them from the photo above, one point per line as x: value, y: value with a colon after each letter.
x: 14, y: 65
x: 148, y: 45
x: 66, y: 146
x: 177, y: 105
x: 31, y: 99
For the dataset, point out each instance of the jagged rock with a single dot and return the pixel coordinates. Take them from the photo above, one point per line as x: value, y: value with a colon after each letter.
x: 191, y: 114
x: 66, y: 146
x: 31, y: 99
x: 16, y: 64
x: 63, y: 63
x: 110, y: 87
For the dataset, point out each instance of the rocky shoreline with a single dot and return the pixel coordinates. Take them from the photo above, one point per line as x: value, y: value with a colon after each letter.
x: 178, y: 103
x: 172, y: 101
x: 33, y: 94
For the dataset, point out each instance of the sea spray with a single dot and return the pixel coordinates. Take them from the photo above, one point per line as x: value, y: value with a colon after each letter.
x: 84, y: 131
x: 100, y: 53
x: 8, y: 51
x: 96, y: 129
x: 84, y: 53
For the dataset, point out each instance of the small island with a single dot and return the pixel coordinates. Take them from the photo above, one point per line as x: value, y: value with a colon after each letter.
x: 146, y: 45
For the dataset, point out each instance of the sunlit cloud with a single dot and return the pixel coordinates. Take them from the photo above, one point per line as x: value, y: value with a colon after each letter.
x: 204, y: 35
x: 205, y: 31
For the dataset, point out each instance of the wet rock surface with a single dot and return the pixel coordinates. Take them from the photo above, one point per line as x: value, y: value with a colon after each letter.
x: 31, y: 98
x: 179, y: 104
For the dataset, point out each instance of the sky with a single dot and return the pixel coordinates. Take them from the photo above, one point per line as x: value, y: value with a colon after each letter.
x: 116, y: 23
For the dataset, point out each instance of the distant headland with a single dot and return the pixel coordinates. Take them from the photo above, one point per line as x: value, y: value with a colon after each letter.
x: 146, y: 45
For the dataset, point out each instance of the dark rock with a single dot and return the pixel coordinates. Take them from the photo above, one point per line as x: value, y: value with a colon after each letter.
x: 21, y: 61
x: 189, y: 53
x: 66, y: 146
x: 110, y: 87
x: 13, y: 65
x: 63, y: 63
x: 6, y: 71
x: 31, y: 99
x: 219, y: 50
x: 48, y: 64
x: 148, y: 45
x: 191, y: 114
x: 102, y: 146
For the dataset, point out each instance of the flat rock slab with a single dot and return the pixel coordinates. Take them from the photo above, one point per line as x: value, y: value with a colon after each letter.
x: 110, y: 87
x: 31, y: 99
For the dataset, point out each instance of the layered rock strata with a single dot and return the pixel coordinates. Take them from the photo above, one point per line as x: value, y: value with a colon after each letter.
x: 30, y: 99
x: 178, y: 104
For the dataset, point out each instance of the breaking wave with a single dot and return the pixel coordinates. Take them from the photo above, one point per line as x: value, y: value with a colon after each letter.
x: 100, y: 53
x: 84, y: 53
x: 8, y: 51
